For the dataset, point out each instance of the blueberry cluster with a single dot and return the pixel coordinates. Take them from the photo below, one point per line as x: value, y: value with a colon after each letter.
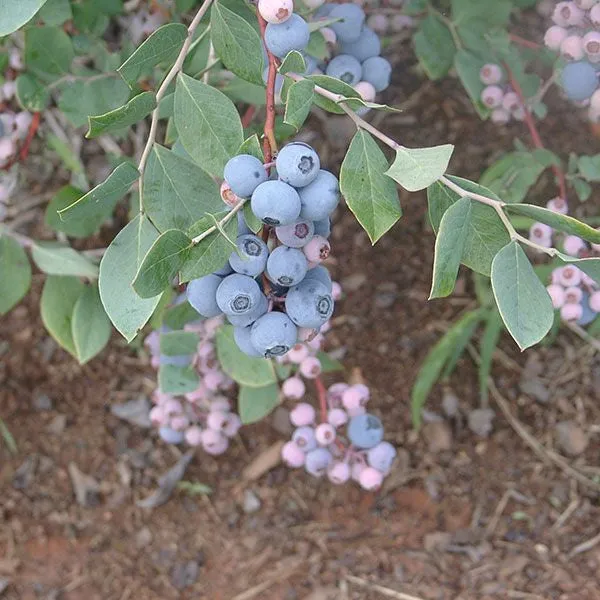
x: 357, y: 61
x: 202, y: 417
x: 572, y: 291
x: 576, y: 35
x: 345, y: 443
x: 499, y: 96
x: 278, y: 293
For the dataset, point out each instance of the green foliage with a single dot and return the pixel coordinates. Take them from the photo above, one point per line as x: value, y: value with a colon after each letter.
x: 178, y: 343
x: 15, y: 273
x: 434, y: 47
x: 369, y: 193
x: 293, y: 62
x: 90, y: 326
x: 66, y: 196
x: 177, y: 380
x: 300, y: 98
x: 31, y: 93
x: 255, y: 403
x: 417, y: 168
x: 48, y: 52
x: 135, y: 110
x: 56, y: 259
x: 16, y: 14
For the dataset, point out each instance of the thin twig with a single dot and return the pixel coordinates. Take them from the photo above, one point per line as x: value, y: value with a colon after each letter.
x: 585, y: 546
x: 384, y: 591
x: 222, y: 222
x: 583, y: 334
x: 162, y: 90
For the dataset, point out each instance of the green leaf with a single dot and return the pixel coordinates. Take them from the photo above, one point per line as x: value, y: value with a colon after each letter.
x: 252, y: 146
x: 59, y: 297
x: 293, y: 62
x: 161, y: 47
x: 32, y: 94
x: 161, y: 263
x: 255, y: 403
x: 48, y: 51
x: 589, y: 167
x: 468, y: 66
x: 582, y: 188
x: 415, y: 169
x: 176, y: 380
x: 434, y: 362
x: 95, y: 206
x: 449, y: 247
x: 563, y: 223
x: 135, y: 110
x: 176, y: 192
x: 56, y: 259
x: 369, y: 193
x: 56, y: 12
x: 178, y: 343
x: 486, y: 235
x: 236, y: 43
x: 16, y: 14
x: 461, y: 342
x: 208, y: 124
x: 90, y: 326
x: 211, y: 253
x: 522, y: 299
x: 299, y: 100
x: 15, y: 273
x: 246, y: 370
x: 434, y: 47
x: 489, y: 342
x: 178, y: 315
x: 252, y: 221
x: 70, y: 159
x: 127, y: 311
x: 328, y: 364
x: 66, y: 196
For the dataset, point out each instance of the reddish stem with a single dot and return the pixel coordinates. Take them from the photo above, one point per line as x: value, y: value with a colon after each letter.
x: 23, y: 152
x: 517, y: 39
x: 248, y: 116
x: 322, y: 395
x: 535, y: 134
x: 269, y: 143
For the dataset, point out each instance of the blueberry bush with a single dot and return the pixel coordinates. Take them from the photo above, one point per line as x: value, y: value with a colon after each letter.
x: 219, y: 266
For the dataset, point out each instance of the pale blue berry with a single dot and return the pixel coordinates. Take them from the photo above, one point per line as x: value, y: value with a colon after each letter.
x: 241, y: 335
x: 366, y: 46
x: 309, y: 304
x: 365, y: 431
x: 317, y: 461
x: 171, y: 436
x: 579, y: 80
x: 202, y: 295
x: 251, y: 257
x: 286, y: 266
x: 319, y: 198
x: 276, y: 203
x: 248, y: 318
x: 273, y: 334
x: 297, y: 164
x: 381, y: 457
x: 346, y: 68
x: 244, y: 173
x: 352, y: 20
x: 292, y: 34
x: 377, y: 71
x: 238, y: 294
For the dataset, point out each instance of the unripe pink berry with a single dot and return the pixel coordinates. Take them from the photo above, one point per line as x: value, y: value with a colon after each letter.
x: 572, y: 48
x: 352, y: 402
x: 587, y: 281
x: 356, y: 394
x: 594, y: 15
x: 571, y: 312
x: 298, y: 353
x: 228, y: 195
x: 555, y: 36
x: 570, y: 276
x: 562, y: 13
x: 595, y: 100
x: 317, y: 250
x: 213, y: 379
x: 519, y: 114
x: 490, y: 74
x: 329, y: 35
x: 216, y: 420
x: 337, y: 417
x: 370, y: 479
x: 233, y: 425
x: 325, y: 434
x: 366, y: 91
x: 214, y: 442
x: 292, y: 455
x: 511, y: 101
x: 310, y: 367
x: 585, y: 4
x: 193, y: 435
x: 7, y: 149
x: 541, y: 234
x: 378, y: 23
x: 492, y: 96
x: 179, y: 422
x: 500, y: 116
x: 573, y: 295
x: 595, y: 302
x: 327, y: 325
x: 220, y: 403
x: 206, y: 349
x: 312, y: 4
x: 293, y: 388
x: 558, y: 205
x: 576, y: 15
x: 557, y: 295
x: 15, y: 60
x: 304, y: 334
x: 155, y: 360
x: 591, y: 43
x: 401, y: 22
x: 302, y: 414
x: 334, y: 394
x: 573, y: 245
x: 275, y: 11
x: 212, y: 325
x: 338, y: 472
x: 158, y: 416
x: 172, y: 406
x: 22, y: 123
x: 336, y: 293
x: 316, y: 343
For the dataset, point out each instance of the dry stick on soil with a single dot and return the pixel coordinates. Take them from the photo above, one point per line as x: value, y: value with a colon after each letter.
x: 583, y: 334
x: 384, y: 591
x: 162, y: 90
x: 585, y: 546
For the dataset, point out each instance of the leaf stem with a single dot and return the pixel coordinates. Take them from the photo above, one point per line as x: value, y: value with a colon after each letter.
x: 162, y: 90
x: 220, y: 223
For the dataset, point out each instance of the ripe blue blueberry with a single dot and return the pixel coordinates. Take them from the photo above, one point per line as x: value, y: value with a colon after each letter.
x: 317, y: 461
x: 248, y: 318
x: 238, y: 294
x: 323, y: 227
x: 297, y: 234
x: 353, y: 18
x: 588, y: 315
x: 170, y: 436
x: 282, y: 38
x: 252, y: 257
x: 244, y: 173
x: 345, y: 68
x: 365, y: 431
x: 286, y: 266
x: 241, y: 335
x: 273, y: 334
x: 276, y: 203
x: 224, y: 270
x: 323, y: 11
x: 366, y: 46
x: 309, y: 304
x: 320, y: 273
x: 297, y: 164
x: 381, y: 457
x: 579, y: 80
x: 202, y: 295
x: 242, y: 225
x: 304, y: 438
x: 319, y: 198
x: 377, y: 71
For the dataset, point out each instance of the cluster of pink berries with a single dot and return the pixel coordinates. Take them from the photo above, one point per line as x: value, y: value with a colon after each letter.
x: 572, y: 291
x: 202, y: 417
x: 385, y: 25
x: 500, y: 98
x: 343, y: 442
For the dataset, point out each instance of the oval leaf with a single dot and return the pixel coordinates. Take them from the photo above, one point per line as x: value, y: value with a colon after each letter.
x: 15, y: 273
x: 417, y: 168
x: 55, y: 259
x: 16, y: 14
x: 90, y: 326
x: 255, y: 403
